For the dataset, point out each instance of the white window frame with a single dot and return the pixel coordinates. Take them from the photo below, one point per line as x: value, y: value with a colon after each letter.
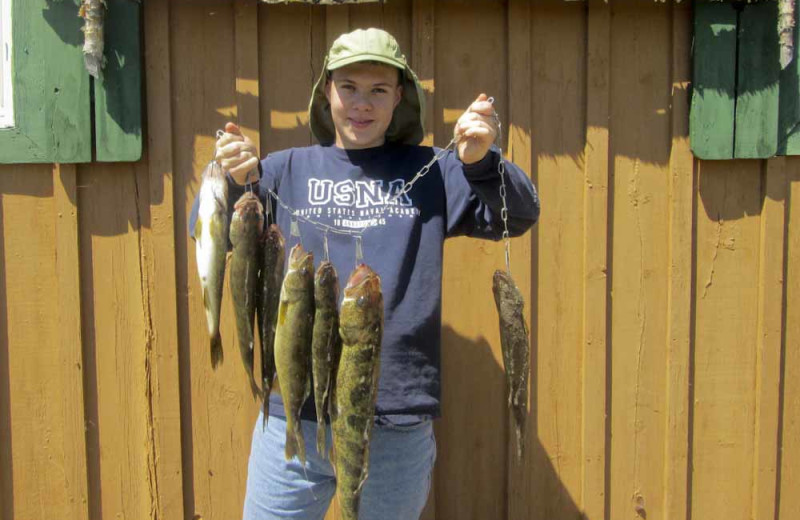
x: 7, y: 103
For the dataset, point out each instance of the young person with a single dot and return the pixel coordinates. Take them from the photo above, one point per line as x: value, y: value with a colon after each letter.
x: 366, y: 111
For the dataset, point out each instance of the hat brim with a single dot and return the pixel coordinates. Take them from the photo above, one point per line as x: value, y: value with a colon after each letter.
x: 365, y: 57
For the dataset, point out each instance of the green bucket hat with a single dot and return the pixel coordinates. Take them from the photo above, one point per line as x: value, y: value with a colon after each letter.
x: 370, y: 45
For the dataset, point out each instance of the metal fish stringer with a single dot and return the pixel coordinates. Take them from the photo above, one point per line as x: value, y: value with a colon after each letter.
x: 295, y: 230
x: 359, y: 251
x: 514, y: 336
x: 501, y: 169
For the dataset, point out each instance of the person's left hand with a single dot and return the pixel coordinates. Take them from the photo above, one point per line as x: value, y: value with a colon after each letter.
x: 476, y: 130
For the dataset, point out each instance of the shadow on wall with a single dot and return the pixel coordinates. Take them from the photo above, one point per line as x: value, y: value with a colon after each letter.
x: 475, y: 451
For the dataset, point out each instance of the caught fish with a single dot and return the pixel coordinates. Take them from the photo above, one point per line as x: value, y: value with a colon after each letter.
x: 325, y: 341
x: 271, y: 279
x: 247, y: 226
x: 356, y: 386
x: 516, y: 352
x: 293, y: 345
x: 211, y: 248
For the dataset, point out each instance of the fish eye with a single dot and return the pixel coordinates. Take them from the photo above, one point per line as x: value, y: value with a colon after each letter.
x: 362, y: 300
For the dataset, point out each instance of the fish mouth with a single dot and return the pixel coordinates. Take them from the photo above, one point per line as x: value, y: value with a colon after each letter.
x: 275, y: 233
x: 248, y: 203
x: 326, y: 272
x: 299, y: 256
x: 361, y: 276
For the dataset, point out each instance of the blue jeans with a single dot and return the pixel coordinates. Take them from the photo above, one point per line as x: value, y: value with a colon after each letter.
x: 400, y: 466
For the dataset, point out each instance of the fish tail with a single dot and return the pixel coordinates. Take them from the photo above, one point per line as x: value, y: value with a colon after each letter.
x: 295, y: 444
x: 300, y: 442
x: 291, y: 442
x: 321, y: 439
x: 254, y: 387
x: 216, y: 350
x: 265, y: 404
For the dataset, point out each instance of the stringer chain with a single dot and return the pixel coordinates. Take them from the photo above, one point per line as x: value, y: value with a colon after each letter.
x: 358, y: 233
x: 327, y: 228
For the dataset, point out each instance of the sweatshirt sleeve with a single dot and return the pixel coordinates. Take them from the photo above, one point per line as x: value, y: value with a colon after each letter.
x: 474, y: 205
x: 269, y: 172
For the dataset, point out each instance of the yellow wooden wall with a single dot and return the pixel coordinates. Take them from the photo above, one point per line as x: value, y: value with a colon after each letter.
x: 664, y: 292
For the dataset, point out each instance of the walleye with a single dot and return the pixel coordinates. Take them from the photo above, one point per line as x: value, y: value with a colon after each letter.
x: 271, y: 278
x: 211, y: 248
x: 293, y: 345
x: 516, y: 351
x: 356, y: 386
x: 247, y: 226
x: 325, y: 342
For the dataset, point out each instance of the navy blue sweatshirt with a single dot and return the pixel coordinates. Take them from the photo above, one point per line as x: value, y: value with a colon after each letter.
x: 403, y: 244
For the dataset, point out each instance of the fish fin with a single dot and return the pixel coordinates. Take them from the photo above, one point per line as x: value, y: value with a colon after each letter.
x: 216, y: 350
x: 321, y: 438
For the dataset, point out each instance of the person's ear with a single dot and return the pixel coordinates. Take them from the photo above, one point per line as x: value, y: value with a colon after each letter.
x: 327, y: 89
x: 398, y: 95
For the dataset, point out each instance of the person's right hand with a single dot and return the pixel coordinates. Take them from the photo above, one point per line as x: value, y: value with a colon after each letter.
x: 237, y: 155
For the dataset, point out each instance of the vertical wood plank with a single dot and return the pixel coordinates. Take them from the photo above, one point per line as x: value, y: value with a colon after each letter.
x: 219, y: 403
x: 468, y: 44
x: 284, y: 104
x: 679, y: 297
x: 517, y: 134
x: 6, y: 459
x: 594, y: 484
x: 422, y: 55
x: 640, y: 55
x: 790, y: 432
x: 422, y: 58
x: 769, y: 342
x: 557, y: 65
x: 65, y: 194
x: 726, y: 296
x: 246, y: 50
x: 337, y: 22
x: 169, y: 482
x: 43, y: 467
x: 758, y: 74
x: 714, y: 80
x: 116, y: 337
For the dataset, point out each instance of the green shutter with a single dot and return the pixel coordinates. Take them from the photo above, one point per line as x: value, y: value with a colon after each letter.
x: 51, y: 86
x: 789, y: 103
x: 743, y: 104
x: 118, y: 94
x: 52, y: 101
x: 714, y: 81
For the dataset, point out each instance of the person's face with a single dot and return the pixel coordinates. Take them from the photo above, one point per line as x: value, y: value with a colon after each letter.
x: 362, y: 97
